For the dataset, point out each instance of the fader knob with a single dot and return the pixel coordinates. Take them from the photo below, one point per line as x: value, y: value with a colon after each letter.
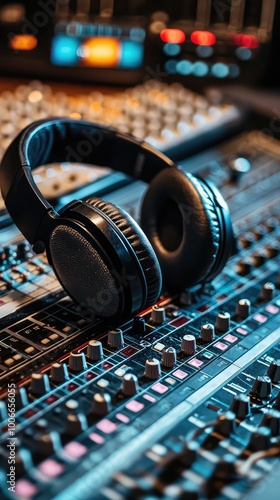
x: 168, y: 357
x: 261, y: 387
x: 240, y: 405
x: 243, y: 308
x: 158, y: 315
x: 77, y: 361
x: 260, y: 439
x: 273, y: 371
x: 207, y: 332
x: 59, y: 373
x: 226, y: 423
x: 267, y: 292
x: 21, y: 399
x: 139, y: 325
x: 115, y: 338
x: 129, y: 385
x: 101, y: 404
x: 48, y: 443
x: 188, y: 345
x: 223, y: 321
x: 271, y: 419
x: 95, y: 350
x: 40, y: 384
x: 152, y: 368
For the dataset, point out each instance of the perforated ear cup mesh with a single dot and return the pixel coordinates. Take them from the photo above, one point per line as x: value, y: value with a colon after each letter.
x: 179, y: 217
x: 82, y: 272
x: 140, y: 244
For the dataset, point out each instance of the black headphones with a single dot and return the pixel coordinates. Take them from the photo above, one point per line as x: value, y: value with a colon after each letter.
x: 99, y: 254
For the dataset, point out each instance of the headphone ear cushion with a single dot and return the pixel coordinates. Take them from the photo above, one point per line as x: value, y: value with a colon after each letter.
x: 179, y: 218
x: 140, y: 244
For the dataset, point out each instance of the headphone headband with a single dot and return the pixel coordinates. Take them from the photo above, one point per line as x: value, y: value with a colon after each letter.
x: 66, y: 140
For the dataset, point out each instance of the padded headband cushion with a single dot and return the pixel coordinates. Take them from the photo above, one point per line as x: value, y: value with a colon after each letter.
x: 139, y: 243
x: 180, y: 220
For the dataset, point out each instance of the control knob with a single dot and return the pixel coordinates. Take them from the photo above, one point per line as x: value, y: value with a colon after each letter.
x: 59, y: 373
x: 139, y: 325
x: 115, y: 338
x: 48, y: 443
x: 188, y: 345
x: 101, y: 404
x: 95, y: 350
x: 40, y: 384
x: 152, y: 368
x: 76, y: 423
x: 226, y: 423
x: 267, y: 292
x: 273, y: 371
x: 168, y: 357
x: 158, y: 315
x: 260, y: 439
x: 271, y: 419
x: 223, y: 321
x: 207, y: 332
x: 240, y: 406
x: 129, y: 385
x: 261, y: 387
x: 243, y: 308
x: 77, y: 361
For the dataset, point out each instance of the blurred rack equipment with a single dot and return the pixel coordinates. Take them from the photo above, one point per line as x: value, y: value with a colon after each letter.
x: 123, y: 42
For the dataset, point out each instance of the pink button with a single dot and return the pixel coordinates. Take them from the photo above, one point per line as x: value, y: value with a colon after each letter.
x: 123, y: 418
x: 75, y: 449
x: 242, y: 331
x: 230, y: 338
x: 160, y: 388
x: 106, y: 426
x: 134, y: 406
x: 96, y: 438
x: 51, y: 468
x: 25, y: 489
x: 180, y: 374
x: 106, y: 365
x: 221, y: 346
x: 72, y: 387
x: 271, y: 308
x: 90, y: 376
x: 149, y: 398
x: 260, y: 318
x: 195, y: 362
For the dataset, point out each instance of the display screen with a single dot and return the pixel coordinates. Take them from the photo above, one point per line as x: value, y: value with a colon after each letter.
x: 121, y: 52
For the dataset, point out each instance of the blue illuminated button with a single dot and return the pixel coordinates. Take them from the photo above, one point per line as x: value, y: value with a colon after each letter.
x: 200, y: 68
x: 220, y: 70
x: 64, y: 51
x: 234, y: 70
x: 204, y: 51
x: 184, y: 67
x: 171, y: 49
x: 131, y: 56
x: 170, y: 66
x: 243, y: 53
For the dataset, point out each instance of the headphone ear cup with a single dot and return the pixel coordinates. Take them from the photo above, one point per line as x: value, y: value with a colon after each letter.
x: 188, y: 229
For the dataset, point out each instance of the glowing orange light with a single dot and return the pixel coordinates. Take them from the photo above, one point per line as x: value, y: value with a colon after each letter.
x: 248, y: 41
x: 23, y: 42
x: 203, y: 38
x: 102, y: 52
x: 169, y: 35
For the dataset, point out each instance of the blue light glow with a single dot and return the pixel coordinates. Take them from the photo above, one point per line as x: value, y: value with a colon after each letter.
x: 184, y: 67
x: 170, y: 66
x: 200, y: 69
x: 171, y: 49
x: 131, y: 54
x: 234, y: 70
x: 243, y: 53
x: 204, y: 51
x: 64, y: 51
x: 220, y: 70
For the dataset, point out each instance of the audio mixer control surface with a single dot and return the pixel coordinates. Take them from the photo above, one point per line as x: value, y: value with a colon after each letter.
x: 180, y: 402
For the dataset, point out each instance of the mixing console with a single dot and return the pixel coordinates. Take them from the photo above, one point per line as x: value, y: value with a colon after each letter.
x: 182, y: 401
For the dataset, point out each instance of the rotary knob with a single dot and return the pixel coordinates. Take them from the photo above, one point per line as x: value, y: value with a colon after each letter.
x: 261, y: 387
x: 188, y: 345
x: 158, y: 315
x: 129, y: 385
x: 260, y: 439
x: 246, y: 240
x: 48, y: 443
x: 243, y: 267
x: 139, y: 325
x: 101, y: 404
x: 237, y: 167
x: 77, y: 361
x: 243, y: 308
x: 207, y: 332
x: 223, y: 321
x: 226, y: 423
x: 240, y: 406
x: 271, y: 419
x: 115, y: 338
x: 95, y: 350
x: 40, y: 384
x: 273, y: 371
x: 76, y: 423
x: 21, y: 399
x: 267, y: 292
x: 152, y: 368
x: 59, y: 373
x: 168, y: 357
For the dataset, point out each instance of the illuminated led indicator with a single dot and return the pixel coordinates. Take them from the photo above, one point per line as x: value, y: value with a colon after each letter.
x: 248, y: 41
x: 220, y: 70
x: 169, y: 35
x: 172, y: 49
x: 203, y: 38
x: 23, y: 42
x: 131, y: 54
x: 65, y: 50
x: 102, y: 52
